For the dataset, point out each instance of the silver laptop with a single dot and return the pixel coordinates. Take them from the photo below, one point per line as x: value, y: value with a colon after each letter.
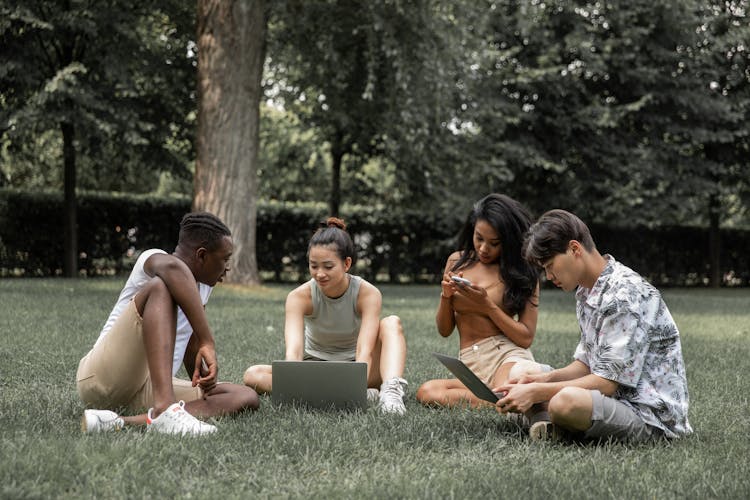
x: 468, y: 378
x: 320, y: 384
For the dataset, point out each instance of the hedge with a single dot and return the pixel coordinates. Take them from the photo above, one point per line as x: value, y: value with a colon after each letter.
x: 394, y: 245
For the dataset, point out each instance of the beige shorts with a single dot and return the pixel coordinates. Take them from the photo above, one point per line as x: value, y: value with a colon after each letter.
x: 114, y: 374
x: 486, y: 356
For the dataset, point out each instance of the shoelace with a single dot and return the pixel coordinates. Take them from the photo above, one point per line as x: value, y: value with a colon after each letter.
x: 393, y: 390
x: 183, y: 417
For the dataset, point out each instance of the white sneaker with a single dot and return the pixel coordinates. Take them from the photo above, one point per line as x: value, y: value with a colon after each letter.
x: 176, y: 420
x: 373, y: 396
x: 392, y: 396
x: 101, y: 421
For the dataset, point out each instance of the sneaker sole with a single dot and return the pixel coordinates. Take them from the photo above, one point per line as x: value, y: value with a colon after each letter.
x: 543, y: 431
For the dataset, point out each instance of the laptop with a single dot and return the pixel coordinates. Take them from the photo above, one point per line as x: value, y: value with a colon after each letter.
x: 468, y: 378
x: 331, y: 385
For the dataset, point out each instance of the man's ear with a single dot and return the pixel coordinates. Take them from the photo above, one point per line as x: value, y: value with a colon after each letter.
x: 576, y: 247
x: 200, y: 254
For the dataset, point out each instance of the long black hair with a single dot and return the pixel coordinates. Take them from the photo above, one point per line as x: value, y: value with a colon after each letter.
x: 511, y: 221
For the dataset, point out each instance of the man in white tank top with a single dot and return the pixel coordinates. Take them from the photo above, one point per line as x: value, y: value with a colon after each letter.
x: 158, y: 325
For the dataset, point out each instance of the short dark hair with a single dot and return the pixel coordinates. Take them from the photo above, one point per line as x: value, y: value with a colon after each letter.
x: 551, y: 235
x: 333, y: 232
x: 202, y: 229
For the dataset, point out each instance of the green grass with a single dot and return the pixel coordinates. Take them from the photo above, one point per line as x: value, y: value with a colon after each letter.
x: 47, y: 325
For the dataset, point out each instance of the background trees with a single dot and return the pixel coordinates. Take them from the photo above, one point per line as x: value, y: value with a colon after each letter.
x: 369, y: 78
x: 93, y: 95
x: 628, y: 112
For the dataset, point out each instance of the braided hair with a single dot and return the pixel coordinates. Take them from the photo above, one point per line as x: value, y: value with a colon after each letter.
x: 202, y: 229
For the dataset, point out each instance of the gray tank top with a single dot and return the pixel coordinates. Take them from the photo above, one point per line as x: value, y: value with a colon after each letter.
x: 332, y: 329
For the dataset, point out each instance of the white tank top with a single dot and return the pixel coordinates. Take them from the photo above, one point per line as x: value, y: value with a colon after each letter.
x: 137, y: 280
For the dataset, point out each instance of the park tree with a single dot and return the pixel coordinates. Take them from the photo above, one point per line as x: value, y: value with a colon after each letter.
x: 710, y: 136
x: 231, y: 53
x: 560, y: 100
x: 103, y: 85
x: 677, y: 108
x: 367, y: 77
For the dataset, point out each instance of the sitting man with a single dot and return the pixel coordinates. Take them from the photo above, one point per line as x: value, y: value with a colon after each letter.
x: 627, y: 381
x: 157, y: 325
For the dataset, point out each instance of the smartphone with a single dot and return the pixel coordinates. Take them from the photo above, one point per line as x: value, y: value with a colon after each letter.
x: 461, y: 281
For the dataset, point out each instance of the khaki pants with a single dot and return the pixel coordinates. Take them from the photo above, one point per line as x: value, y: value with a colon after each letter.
x: 114, y: 374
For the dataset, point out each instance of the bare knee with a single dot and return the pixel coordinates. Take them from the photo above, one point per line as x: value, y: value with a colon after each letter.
x: 247, y: 399
x: 391, y: 329
x: 242, y: 398
x: 391, y: 325
x: 252, y: 376
x: 428, y: 392
x: 569, y: 401
x: 523, y: 367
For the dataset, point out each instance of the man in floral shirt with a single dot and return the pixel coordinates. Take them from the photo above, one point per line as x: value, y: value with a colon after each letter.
x: 627, y: 380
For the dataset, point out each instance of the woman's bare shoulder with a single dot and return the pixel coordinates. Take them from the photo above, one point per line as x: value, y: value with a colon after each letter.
x: 453, y: 258
x: 302, y: 292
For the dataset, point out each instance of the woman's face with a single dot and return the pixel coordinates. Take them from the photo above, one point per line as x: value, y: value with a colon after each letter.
x: 327, y: 268
x: 486, y: 242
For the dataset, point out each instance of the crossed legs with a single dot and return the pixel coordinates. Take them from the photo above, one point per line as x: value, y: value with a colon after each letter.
x: 156, y: 317
x: 451, y: 392
x: 388, y: 359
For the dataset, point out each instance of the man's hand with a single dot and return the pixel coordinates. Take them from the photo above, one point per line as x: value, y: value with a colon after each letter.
x: 206, y: 371
x: 518, y: 398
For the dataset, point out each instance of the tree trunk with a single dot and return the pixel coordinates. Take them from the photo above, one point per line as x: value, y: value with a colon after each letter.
x: 337, y: 156
x: 231, y: 52
x: 714, y: 242
x: 70, y: 263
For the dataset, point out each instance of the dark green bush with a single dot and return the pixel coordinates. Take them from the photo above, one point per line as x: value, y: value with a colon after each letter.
x: 111, y: 228
x: 393, y: 244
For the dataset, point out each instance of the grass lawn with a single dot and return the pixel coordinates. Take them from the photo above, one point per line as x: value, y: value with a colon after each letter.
x: 47, y: 325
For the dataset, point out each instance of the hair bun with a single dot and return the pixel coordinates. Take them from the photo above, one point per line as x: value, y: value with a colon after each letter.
x: 336, y: 222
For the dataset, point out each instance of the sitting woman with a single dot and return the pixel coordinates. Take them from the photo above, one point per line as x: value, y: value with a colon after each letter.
x: 336, y: 317
x: 496, y: 313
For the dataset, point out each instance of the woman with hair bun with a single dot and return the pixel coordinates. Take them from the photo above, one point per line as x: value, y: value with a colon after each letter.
x: 495, y: 312
x: 335, y: 316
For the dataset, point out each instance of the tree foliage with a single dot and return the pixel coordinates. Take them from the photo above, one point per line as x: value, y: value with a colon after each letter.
x: 108, y: 77
x: 367, y: 76
x: 627, y: 112
x: 122, y: 72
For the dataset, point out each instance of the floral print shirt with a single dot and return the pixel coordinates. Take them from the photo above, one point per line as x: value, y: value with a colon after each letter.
x: 628, y: 336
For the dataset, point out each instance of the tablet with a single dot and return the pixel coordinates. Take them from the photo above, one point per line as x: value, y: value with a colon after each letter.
x: 469, y: 378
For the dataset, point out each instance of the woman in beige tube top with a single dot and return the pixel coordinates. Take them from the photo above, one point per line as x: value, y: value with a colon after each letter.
x: 496, y: 314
